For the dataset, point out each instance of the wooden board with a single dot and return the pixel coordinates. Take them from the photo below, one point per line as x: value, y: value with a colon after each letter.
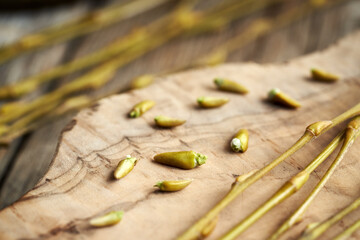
x: 18, y: 174
x: 79, y: 185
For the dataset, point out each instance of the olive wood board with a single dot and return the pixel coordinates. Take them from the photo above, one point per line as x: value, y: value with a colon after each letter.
x: 79, y: 183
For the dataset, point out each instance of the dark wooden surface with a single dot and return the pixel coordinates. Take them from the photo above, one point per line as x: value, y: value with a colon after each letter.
x: 27, y: 159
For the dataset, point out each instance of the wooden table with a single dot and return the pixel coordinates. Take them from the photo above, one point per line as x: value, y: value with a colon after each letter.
x: 28, y: 158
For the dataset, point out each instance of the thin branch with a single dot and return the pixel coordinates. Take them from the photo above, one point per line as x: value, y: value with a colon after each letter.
x: 171, y: 26
x: 317, y: 229
x: 90, y: 22
x: 258, y: 28
x: 298, y: 181
x: 311, y: 132
x: 297, y: 215
x: 37, y: 118
x: 198, y: 22
x: 349, y: 231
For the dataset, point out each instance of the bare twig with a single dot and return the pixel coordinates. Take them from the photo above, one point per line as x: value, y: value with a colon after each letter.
x: 90, y: 22
x: 347, y: 232
x: 199, y: 22
x: 297, y: 215
x: 312, y: 131
x: 317, y: 229
x: 257, y: 28
x: 296, y: 183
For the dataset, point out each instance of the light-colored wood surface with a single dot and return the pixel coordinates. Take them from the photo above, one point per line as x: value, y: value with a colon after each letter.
x: 79, y: 183
x: 29, y: 157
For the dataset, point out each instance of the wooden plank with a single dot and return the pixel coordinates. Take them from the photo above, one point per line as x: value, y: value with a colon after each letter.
x: 290, y: 42
x: 79, y: 186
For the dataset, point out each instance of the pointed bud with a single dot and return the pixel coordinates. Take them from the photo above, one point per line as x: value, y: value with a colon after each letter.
x: 140, y: 108
x: 277, y: 96
x: 164, y: 121
x: 230, y: 86
x: 323, y: 76
x: 109, y: 219
x: 172, y: 186
x: 184, y: 160
x: 142, y: 81
x: 240, y: 142
x: 124, y: 167
x: 211, y: 102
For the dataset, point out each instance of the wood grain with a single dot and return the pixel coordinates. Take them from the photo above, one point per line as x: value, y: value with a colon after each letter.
x: 79, y: 186
x: 30, y: 156
x: 328, y: 25
x: 42, y: 143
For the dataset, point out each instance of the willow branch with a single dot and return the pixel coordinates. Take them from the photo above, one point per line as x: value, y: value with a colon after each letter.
x: 43, y: 116
x: 138, y: 37
x: 92, y: 80
x: 298, y: 181
x: 317, y: 229
x: 90, y: 22
x: 135, y: 38
x: 297, y: 215
x: 226, y: 11
x: 349, y: 231
x: 312, y: 131
x: 181, y: 20
x: 103, y: 74
x: 256, y: 29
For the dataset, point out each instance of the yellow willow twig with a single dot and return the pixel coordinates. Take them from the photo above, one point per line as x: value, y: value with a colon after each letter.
x: 296, y: 183
x: 90, y: 22
x: 103, y: 74
x: 297, y: 215
x: 316, y: 229
x: 312, y: 131
x: 138, y: 37
x: 37, y: 119
x: 225, y: 12
x: 181, y: 20
x: 31, y: 83
x: 23, y: 122
x: 16, y: 109
x: 256, y: 29
x: 92, y: 80
x: 349, y: 231
x: 12, y: 133
x: 135, y: 38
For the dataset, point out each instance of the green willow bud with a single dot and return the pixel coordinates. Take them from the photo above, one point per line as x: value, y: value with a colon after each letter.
x: 142, y: 81
x: 164, y: 121
x: 172, y: 186
x: 184, y: 160
x: 277, y: 96
x: 124, y: 167
x: 240, y: 142
x: 211, y: 102
x: 108, y: 219
x: 230, y: 86
x: 323, y: 76
x: 140, y: 108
